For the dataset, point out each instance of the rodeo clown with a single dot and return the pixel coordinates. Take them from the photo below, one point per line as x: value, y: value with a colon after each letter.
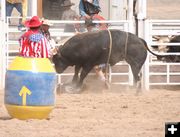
x: 33, y: 43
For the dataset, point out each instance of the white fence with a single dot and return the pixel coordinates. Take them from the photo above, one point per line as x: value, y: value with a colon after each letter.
x: 57, y: 32
x: 2, y: 54
x: 156, y: 72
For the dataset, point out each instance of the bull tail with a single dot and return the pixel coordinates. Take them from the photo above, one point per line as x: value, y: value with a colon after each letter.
x: 146, y: 46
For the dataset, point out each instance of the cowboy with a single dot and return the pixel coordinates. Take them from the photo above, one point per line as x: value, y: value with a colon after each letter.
x: 45, y: 31
x: 32, y: 42
x: 69, y: 14
x: 45, y: 28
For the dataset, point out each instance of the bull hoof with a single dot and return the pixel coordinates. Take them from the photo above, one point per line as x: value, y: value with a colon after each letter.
x: 69, y: 89
x: 138, y: 88
x: 107, y: 85
x: 138, y: 92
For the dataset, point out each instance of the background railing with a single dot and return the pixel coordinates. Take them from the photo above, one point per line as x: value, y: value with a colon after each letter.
x: 157, y: 72
x: 57, y: 32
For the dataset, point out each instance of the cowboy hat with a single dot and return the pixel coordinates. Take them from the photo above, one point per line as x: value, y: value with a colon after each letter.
x: 33, y: 22
x: 46, y: 22
x: 67, y: 3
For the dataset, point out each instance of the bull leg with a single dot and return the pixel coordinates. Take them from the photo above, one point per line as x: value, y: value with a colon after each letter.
x: 76, y: 72
x: 137, y: 79
x: 77, y: 87
x: 83, y: 74
x: 71, y: 86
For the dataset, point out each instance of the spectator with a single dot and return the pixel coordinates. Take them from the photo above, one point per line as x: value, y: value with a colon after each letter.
x: 89, y: 11
x: 69, y: 14
x: 10, y: 4
x: 32, y: 42
x: 87, y: 8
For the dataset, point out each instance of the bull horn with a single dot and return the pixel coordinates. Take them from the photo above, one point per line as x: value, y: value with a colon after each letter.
x: 156, y: 37
x: 171, y: 37
x: 54, y: 51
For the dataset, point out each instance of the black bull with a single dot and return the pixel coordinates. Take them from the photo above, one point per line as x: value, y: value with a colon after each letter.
x: 92, y: 48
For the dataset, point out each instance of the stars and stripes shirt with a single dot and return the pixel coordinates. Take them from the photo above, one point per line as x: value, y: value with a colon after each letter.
x: 34, y: 44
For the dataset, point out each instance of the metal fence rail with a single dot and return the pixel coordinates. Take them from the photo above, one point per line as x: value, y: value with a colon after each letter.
x: 2, y: 55
x: 164, y: 74
x: 57, y: 32
x: 156, y: 72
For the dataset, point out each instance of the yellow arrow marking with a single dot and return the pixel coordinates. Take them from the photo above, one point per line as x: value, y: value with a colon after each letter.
x: 24, y: 90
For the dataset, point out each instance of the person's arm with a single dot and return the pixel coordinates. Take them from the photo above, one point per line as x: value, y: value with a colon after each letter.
x: 49, y: 48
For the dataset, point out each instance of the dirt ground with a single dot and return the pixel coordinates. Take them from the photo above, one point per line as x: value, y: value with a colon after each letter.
x: 118, y: 112
x: 163, y: 9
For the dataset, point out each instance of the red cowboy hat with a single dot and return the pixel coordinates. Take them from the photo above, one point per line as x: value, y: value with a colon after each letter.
x: 33, y: 22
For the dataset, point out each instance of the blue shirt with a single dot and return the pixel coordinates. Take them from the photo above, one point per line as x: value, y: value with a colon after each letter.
x: 81, y: 7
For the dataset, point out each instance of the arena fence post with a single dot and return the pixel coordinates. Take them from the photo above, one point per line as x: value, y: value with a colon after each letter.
x: 145, y: 79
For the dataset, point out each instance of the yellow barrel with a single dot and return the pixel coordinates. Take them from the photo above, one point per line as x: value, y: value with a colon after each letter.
x: 30, y: 88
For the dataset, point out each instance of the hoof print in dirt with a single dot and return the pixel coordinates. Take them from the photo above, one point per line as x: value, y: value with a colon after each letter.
x: 71, y: 88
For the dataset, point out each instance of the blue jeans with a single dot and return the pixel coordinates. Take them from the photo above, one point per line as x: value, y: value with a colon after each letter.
x: 9, y: 9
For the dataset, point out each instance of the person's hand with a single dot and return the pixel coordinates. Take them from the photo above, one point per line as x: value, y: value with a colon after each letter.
x: 52, y: 43
x: 77, y: 33
x: 87, y: 16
